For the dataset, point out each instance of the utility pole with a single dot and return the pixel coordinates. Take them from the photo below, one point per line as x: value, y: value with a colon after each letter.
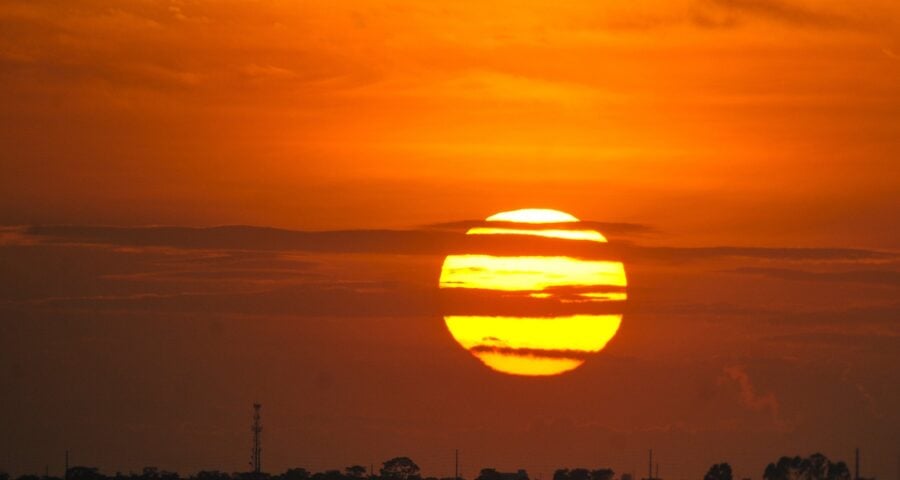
x: 256, y: 452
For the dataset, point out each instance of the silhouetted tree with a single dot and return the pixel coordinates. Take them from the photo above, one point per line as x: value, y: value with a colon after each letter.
x: 488, y: 474
x: 820, y: 468
x: 210, y: 475
x: 400, y: 468
x: 814, y: 467
x: 719, y: 471
x: 603, y: 474
x: 85, y: 473
x: 493, y: 474
x: 579, y: 474
x: 355, y: 471
x: 150, y: 473
x: 295, y: 474
x: 839, y: 471
x: 329, y: 475
x: 29, y: 477
x: 583, y: 474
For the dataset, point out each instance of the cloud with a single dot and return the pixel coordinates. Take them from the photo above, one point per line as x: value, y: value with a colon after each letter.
x: 773, y: 253
x: 607, y: 228
x: 418, y: 242
x: 331, y: 299
x: 255, y: 270
x: 875, y: 277
x: 869, y: 401
x: 748, y: 393
x: 843, y: 339
x: 854, y: 317
x: 15, y: 236
x: 890, y: 53
x: 269, y: 71
x: 257, y: 238
x: 731, y: 13
x: 150, y: 48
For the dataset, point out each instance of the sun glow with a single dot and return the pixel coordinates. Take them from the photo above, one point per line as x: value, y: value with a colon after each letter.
x: 577, y: 333
x: 528, y: 273
x: 533, y: 215
x: 590, y: 235
x: 532, y: 345
x: 505, y: 343
x: 528, y: 365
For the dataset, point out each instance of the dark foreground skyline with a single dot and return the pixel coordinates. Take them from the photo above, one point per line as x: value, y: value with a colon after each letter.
x: 812, y: 467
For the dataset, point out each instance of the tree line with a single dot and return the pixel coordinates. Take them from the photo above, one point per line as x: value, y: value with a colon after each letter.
x: 813, y: 467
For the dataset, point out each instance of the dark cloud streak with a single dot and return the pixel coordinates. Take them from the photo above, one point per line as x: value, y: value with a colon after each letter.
x: 415, y: 242
x: 875, y: 277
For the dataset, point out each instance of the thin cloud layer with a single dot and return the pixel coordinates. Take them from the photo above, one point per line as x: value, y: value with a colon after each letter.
x: 877, y: 277
x: 414, y: 242
x: 731, y: 13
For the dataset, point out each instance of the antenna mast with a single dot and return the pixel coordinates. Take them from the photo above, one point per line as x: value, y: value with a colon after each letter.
x: 256, y: 452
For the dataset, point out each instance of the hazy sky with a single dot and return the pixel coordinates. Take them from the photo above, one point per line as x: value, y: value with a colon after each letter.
x: 743, y: 155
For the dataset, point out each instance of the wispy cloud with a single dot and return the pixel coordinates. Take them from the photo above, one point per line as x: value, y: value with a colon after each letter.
x: 427, y: 241
x: 730, y: 13
x: 878, y: 277
x: 608, y: 228
x: 334, y: 299
x: 890, y: 53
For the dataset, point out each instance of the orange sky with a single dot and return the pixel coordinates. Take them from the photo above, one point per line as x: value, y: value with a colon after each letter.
x: 743, y: 119
x: 671, y: 126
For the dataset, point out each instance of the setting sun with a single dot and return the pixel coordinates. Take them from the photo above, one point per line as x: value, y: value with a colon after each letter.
x: 535, y: 345
x: 532, y: 215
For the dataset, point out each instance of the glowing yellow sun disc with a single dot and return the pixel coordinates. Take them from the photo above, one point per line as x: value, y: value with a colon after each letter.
x: 535, y: 345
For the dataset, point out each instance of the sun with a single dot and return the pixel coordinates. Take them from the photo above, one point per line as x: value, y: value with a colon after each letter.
x: 534, y: 315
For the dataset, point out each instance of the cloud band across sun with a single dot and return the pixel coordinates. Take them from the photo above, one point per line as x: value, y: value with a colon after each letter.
x: 542, y: 341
